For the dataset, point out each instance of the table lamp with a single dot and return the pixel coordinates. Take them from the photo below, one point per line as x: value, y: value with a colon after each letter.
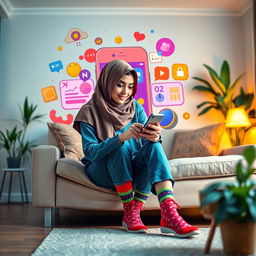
x: 238, y: 120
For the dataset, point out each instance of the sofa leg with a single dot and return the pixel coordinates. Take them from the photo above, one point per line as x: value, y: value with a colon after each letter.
x: 47, y: 217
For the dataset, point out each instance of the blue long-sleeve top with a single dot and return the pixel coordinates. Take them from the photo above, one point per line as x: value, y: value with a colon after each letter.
x: 94, y: 148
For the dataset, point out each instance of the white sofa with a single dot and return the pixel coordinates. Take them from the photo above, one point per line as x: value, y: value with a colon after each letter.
x: 61, y: 182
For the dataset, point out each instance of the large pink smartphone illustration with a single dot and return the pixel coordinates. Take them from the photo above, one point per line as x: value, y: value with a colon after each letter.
x: 137, y: 57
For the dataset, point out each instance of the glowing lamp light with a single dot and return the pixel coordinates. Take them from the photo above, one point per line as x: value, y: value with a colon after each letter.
x: 237, y: 117
x: 238, y: 120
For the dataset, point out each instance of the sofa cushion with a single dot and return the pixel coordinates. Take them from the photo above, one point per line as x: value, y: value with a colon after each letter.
x: 72, y: 169
x: 198, y: 142
x: 182, y: 169
x: 204, y: 167
x: 69, y: 141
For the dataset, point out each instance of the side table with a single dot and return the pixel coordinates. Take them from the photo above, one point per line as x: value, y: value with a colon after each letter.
x: 20, y: 172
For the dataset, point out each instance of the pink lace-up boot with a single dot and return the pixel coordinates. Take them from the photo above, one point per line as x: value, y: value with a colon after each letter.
x: 172, y: 222
x: 131, y: 219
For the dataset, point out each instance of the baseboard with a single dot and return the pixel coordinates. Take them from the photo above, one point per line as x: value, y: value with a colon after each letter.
x: 15, y: 197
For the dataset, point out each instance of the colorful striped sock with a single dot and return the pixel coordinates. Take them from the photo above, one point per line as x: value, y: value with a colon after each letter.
x: 165, y: 193
x: 125, y: 191
x: 140, y: 196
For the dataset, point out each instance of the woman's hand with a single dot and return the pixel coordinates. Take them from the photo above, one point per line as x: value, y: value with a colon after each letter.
x: 152, y: 134
x: 132, y: 132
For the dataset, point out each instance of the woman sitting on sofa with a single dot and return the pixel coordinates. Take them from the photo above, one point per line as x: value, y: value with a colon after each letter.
x: 120, y: 156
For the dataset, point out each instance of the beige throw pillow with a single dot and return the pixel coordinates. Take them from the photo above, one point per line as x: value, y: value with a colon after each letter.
x: 199, y: 142
x: 68, y: 139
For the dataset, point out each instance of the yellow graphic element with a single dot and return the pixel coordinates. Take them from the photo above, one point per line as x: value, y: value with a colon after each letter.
x: 75, y: 34
x: 186, y: 115
x: 180, y: 71
x: 73, y: 69
x: 60, y: 48
x: 141, y: 101
x: 98, y: 40
x: 49, y: 93
x: 174, y: 93
x: 118, y: 39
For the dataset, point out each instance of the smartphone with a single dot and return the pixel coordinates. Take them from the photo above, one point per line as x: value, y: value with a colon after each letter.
x: 137, y: 57
x: 154, y: 118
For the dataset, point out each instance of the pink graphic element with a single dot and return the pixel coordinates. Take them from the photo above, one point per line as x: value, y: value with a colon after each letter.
x: 90, y: 55
x: 74, y: 93
x: 139, y: 36
x: 165, y: 47
x: 167, y: 94
x: 85, y: 88
x: 59, y: 119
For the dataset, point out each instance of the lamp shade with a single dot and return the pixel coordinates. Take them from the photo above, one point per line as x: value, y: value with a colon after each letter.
x: 237, y: 117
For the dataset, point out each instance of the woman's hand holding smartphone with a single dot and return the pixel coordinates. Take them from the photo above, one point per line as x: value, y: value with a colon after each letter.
x: 152, y: 129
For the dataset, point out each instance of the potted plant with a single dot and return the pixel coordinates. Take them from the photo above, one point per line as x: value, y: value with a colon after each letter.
x: 223, y: 91
x: 13, y: 140
x: 234, y: 205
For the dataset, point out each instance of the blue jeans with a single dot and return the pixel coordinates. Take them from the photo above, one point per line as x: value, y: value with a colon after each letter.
x: 144, y: 169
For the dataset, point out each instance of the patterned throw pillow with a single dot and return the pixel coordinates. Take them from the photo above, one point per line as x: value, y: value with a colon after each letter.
x: 68, y: 139
x: 199, y: 142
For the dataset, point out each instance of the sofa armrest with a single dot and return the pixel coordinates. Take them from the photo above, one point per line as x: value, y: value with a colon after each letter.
x: 238, y: 150
x: 44, y: 160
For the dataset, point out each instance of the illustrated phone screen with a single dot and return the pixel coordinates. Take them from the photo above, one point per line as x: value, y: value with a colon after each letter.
x: 140, y: 66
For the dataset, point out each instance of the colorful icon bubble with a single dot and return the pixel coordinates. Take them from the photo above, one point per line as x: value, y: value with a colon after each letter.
x: 73, y: 69
x: 49, y: 93
x: 180, y: 71
x: 98, y: 40
x: 186, y: 115
x: 56, y: 66
x: 60, y: 48
x: 90, y: 55
x: 85, y: 75
x: 85, y: 88
x: 165, y: 46
x: 74, y: 93
x: 60, y: 119
x: 141, y: 101
x: 74, y: 35
x: 161, y: 73
x: 170, y: 119
x: 118, y: 39
x: 155, y: 58
x: 139, y: 36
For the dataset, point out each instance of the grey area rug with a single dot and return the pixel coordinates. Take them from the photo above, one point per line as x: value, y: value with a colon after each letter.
x: 117, y: 242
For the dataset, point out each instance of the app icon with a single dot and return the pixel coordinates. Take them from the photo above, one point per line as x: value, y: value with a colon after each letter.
x: 165, y: 47
x: 56, y: 66
x: 139, y: 74
x: 161, y: 73
x: 180, y: 71
x: 85, y: 74
x: 155, y: 58
x: 49, y: 93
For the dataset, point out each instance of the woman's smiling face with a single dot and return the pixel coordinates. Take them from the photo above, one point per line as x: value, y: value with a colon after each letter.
x: 123, y: 90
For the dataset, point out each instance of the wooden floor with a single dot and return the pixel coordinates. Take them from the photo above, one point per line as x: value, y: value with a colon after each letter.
x: 21, y: 225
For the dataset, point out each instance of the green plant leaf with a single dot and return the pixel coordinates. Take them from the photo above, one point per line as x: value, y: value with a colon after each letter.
x: 216, y: 79
x: 203, y: 81
x: 252, y: 207
x: 221, y: 213
x: 204, y: 103
x: 250, y: 155
x: 225, y: 74
x: 203, y: 88
x: 212, y: 197
x: 205, y: 110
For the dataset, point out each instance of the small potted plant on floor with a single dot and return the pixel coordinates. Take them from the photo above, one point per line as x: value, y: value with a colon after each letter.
x: 235, y: 207
x: 13, y: 140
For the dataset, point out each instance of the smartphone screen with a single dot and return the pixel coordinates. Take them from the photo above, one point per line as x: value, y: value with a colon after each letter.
x: 137, y: 58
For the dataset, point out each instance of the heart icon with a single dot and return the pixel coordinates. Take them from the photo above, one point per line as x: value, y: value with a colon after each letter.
x: 139, y: 36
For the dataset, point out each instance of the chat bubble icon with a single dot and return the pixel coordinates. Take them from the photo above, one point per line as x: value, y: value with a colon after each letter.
x: 56, y: 66
x: 155, y: 58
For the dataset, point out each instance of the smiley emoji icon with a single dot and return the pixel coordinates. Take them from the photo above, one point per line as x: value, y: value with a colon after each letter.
x: 98, y: 40
x: 73, y: 69
x: 118, y: 39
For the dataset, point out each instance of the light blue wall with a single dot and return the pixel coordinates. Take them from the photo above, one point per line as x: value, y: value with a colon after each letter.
x: 29, y: 44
